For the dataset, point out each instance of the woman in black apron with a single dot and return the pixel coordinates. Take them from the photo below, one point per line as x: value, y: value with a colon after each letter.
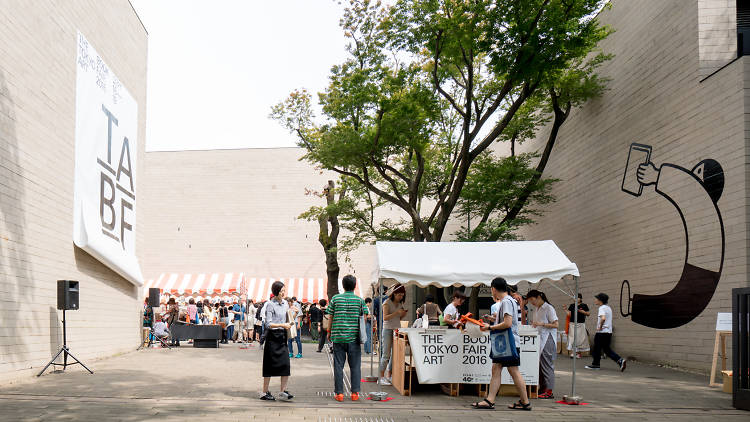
x: 275, y: 352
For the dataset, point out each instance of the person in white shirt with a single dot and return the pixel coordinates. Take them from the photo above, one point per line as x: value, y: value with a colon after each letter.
x: 450, y: 313
x: 545, y: 320
x: 603, y: 337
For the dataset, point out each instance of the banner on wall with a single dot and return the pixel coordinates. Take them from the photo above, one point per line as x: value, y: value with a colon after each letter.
x: 450, y: 356
x: 106, y: 146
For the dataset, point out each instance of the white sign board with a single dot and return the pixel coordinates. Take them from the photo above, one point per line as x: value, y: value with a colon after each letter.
x: 450, y: 356
x: 529, y: 358
x: 724, y: 321
x: 106, y: 151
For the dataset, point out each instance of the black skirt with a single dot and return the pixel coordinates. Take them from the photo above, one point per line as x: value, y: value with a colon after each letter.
x: 276, y: 354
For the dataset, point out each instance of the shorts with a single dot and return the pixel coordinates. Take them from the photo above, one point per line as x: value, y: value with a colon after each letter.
x: 509, y: 362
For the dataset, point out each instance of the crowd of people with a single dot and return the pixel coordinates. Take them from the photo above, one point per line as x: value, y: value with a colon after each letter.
x: 277, y: 324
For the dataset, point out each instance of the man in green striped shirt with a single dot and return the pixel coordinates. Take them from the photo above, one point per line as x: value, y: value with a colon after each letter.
x: 345, y: 310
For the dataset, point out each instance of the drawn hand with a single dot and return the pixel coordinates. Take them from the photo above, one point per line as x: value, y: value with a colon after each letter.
x: 648, y: 174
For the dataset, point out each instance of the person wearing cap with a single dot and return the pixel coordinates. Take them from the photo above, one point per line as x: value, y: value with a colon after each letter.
x: 603, y: 337
x: 393, y: 313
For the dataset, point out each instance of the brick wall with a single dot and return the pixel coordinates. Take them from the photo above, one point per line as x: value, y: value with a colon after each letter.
x: 655, y: 98
x: 37, y: 137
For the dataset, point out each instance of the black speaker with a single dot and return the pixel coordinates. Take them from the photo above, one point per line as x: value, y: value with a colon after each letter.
x: 153, y: 297
x: 67, y: 295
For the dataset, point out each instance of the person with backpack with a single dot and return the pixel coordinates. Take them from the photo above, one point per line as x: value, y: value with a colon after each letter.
x: 258, y: 332
x: 345, y: 310
x: 224, y: 319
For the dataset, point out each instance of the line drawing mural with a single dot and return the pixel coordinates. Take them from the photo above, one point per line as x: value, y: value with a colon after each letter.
x: 695, y: 194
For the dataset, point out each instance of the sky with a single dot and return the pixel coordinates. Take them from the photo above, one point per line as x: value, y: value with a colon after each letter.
x: 215, y: 68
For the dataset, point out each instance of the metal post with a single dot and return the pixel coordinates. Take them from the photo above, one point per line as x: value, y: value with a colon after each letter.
x: 573, y: 399
x: 65, y: 343
x: 382, y: 330
x: 575, y: 340
x: 380, y: 395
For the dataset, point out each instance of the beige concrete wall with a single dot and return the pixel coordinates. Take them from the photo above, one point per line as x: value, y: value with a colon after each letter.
x: 37, y: 138
x: 717, y: 34
x: 236, y: 211
x: 654, y: 98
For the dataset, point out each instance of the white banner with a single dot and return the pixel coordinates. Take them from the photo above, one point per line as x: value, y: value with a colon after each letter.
x: 105, y: 169
x: 529, y: 346
x: 450, y: 356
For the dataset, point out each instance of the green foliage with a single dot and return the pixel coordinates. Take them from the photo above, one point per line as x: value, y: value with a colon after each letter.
x: 428, y: 86
x: 492, y: 188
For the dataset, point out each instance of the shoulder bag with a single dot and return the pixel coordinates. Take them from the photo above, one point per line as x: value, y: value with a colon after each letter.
x: 504, y: 349
x: 362, y: 325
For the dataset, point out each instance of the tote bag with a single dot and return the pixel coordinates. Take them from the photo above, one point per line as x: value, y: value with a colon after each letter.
x: 292, y: 331
x: 362, y: 328
x: 504, y: 349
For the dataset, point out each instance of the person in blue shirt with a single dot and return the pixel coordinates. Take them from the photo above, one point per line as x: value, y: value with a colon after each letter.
x: 239, y: 319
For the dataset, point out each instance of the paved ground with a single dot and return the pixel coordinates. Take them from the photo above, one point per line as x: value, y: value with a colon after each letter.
x: 184, y: 383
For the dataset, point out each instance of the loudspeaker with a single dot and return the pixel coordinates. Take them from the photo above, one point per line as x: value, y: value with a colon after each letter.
x: 153, y: 297
x: 67, y: 295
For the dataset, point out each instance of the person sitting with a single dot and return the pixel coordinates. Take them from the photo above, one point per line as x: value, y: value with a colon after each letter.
x: 160, y: 330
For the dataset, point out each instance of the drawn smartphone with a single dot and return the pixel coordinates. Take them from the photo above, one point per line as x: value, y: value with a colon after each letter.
x: 639, y: 154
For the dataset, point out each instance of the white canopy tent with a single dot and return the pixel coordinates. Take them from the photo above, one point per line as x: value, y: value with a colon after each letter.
x: 469, y: 264
x: 445, y: 264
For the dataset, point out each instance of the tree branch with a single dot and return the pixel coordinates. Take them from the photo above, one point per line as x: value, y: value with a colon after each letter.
x: 560, y: 117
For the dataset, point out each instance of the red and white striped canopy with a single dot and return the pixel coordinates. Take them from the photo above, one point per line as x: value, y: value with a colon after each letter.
x: 220, y: 284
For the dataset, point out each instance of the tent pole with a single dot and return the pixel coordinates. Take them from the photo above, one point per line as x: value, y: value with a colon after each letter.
x: 573, y: 399
x: 380, y: 339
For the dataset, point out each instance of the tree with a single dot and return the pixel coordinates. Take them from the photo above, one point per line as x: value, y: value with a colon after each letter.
x: 430, y: 85
x: 329, y: 229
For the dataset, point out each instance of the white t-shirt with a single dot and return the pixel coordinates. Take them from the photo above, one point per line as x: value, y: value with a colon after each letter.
x: 452, y: 312
x: 494, y: 308
x: 607, y: 312
x: 546, y: 315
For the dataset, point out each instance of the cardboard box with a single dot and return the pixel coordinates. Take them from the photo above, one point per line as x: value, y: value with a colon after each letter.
x: 727, y: 386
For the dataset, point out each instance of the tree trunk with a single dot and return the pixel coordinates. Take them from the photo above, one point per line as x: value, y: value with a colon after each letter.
x: 328, y: 238
x: 332, y: 271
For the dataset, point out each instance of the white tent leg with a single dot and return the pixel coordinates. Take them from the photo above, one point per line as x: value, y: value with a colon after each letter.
x: 573, y: 399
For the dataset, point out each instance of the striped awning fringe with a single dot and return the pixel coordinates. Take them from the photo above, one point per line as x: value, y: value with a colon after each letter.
x: 219, y: 284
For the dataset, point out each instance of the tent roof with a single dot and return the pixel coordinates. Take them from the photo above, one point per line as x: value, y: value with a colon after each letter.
x: 471, y: 263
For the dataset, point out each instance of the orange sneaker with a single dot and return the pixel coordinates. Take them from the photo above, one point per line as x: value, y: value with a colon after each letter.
x: 339, y: 397
x: 355, y: 396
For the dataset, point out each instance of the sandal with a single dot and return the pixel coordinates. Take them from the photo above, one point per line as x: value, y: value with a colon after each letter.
x: 520, y: 406
x: 480, y: 405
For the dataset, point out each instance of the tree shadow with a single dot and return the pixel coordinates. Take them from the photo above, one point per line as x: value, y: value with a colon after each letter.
x: 55, y: 331
x: 15, y: 262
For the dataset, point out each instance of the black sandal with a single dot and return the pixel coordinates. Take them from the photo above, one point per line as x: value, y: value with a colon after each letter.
x: 520, y: 406
x: 479, y: 405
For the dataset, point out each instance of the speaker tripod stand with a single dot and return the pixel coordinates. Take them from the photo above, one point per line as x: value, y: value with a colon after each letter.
x: 65, y: 351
